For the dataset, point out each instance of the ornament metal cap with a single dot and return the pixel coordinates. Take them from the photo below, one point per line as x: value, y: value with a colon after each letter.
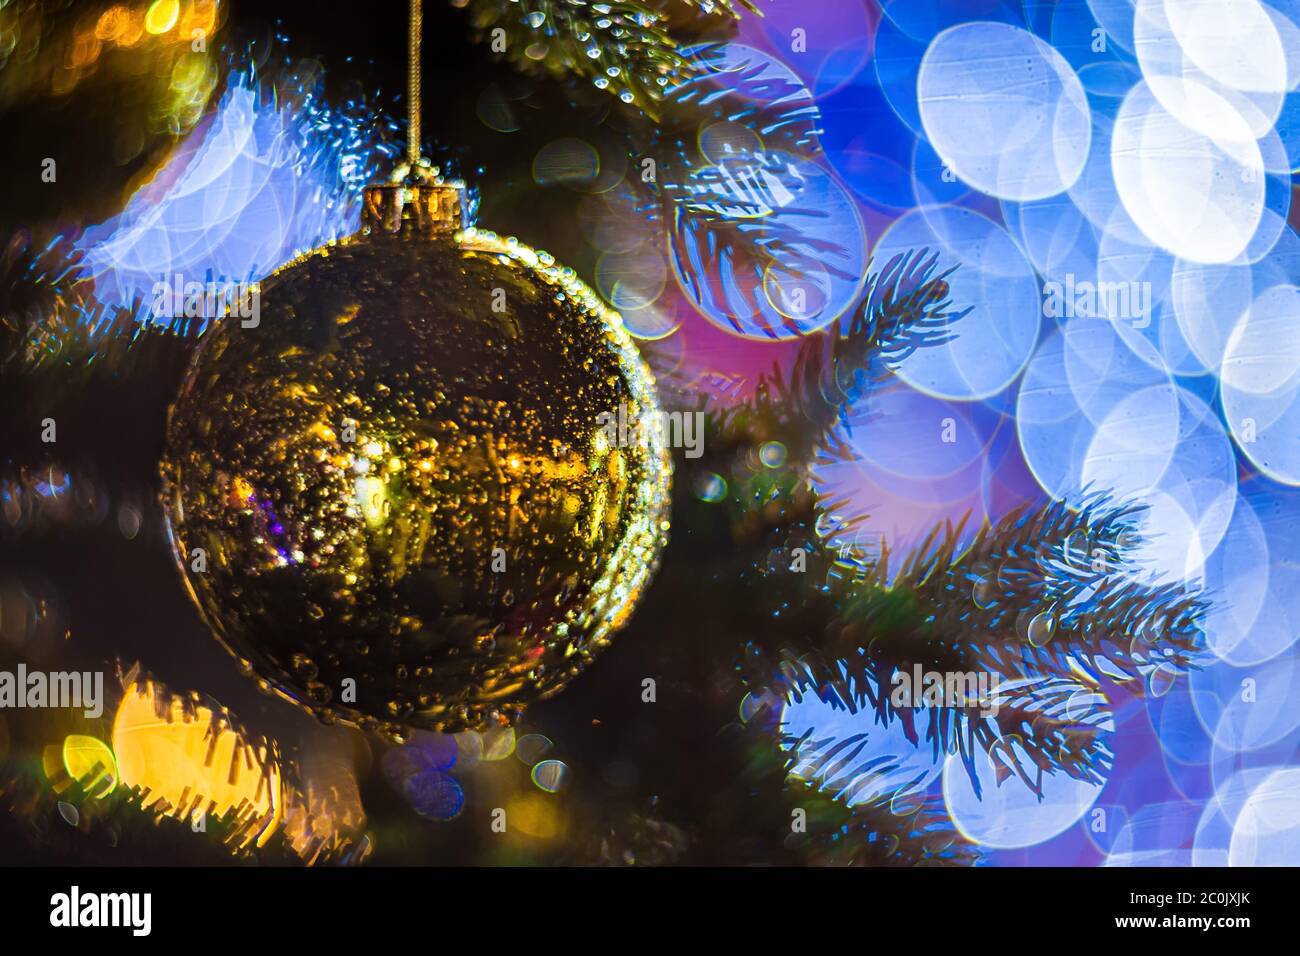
x: 415, y: 203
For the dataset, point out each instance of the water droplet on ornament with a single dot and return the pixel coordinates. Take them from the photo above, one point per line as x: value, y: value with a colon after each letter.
x: 1161, y: 680
x: 1075, y: 548
x: 1041, y: 629
x: 772, y: 454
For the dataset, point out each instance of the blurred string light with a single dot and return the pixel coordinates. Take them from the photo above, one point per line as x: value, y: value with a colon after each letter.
x: 273, y: 172
x: 991, y: 342
x: 186, y: 758
x: 428, y: 769
x: 836, y: 41
x: 163, y: 47
x: 421, y: 770
x: 920, y: 461
x: 1256, y: 570
x: 1006, y: 814
x: 923, y: 19
x: 1156, y: 835
x: 1266, y: 831
x: 1265, y: 715
x: 89, y: 761
x: 1004, y: 110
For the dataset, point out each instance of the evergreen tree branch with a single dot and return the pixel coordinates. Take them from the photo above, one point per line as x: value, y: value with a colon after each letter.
x: 615, y: 45
x: 1045, y: 590
x: 1028, y: 728
x: 905, y: 307
x: 1042, y: 599
x: 875, y: 832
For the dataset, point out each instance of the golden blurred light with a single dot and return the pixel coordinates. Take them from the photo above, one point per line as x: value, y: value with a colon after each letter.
x: 199, y: 18
x: 85, y: 50
x: 190, y: 72
x: 133, y: 32
x: 113, y: 24
x: 186, y: 759
x: 90, y: 762
x: 162, y: 16
x: 324, y: 817
x: 535, y: 815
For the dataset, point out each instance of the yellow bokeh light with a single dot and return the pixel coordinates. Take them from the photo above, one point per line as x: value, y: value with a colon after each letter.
x: 187, y: 760
x: 113, y: 23
x: 132, y: 32
x: 190, y: 73
x: 162, y: 16
x: 89, y: 761
x: 535, y: 815
x: 200, y: 20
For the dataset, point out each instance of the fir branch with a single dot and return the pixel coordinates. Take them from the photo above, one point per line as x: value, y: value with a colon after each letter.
x: 1041, y: 726
x: 763, y: 797
x: 1030, y: 728
x: 874, y: 832
x: 41, y: 288
x: 615, y: 45
x: 780, y: 114
x: 718, y: 202
x: 726, y: 8
x: 1041, y: 600
x: 1046, y: 590
x: 905, y: 307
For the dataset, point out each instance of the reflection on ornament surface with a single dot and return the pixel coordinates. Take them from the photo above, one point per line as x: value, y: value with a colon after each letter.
x: 393, y: 501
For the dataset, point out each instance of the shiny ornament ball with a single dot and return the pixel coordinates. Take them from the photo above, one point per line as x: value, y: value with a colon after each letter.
x: 425, y: 487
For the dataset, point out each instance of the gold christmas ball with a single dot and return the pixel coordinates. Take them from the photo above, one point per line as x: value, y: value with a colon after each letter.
x: 392, y: 485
